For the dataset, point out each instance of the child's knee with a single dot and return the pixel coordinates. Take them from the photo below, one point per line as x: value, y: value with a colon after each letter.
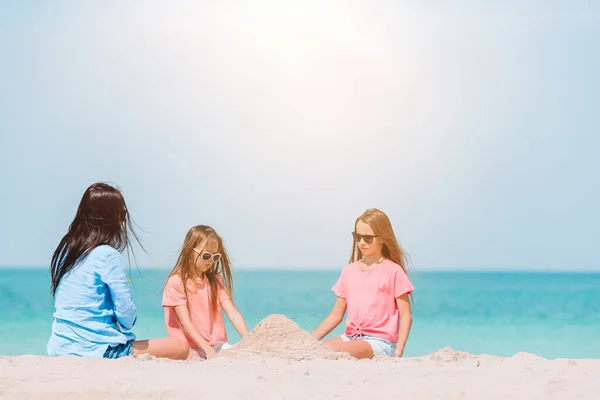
x: 335, y: 344
x: 178, y: 349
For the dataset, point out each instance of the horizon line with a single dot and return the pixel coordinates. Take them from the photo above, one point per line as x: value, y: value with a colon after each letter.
x: 338, y: 268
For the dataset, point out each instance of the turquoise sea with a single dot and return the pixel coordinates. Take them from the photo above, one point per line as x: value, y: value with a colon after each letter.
x: 552, y: 315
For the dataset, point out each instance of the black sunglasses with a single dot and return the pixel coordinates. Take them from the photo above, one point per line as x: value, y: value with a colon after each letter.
x: 367, y: 238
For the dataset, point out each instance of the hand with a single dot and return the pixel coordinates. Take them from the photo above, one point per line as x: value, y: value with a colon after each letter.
x: 210, y: 353
x: 398, y: 352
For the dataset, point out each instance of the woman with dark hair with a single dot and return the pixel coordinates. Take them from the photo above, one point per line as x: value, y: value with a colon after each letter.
x: 94, y: 310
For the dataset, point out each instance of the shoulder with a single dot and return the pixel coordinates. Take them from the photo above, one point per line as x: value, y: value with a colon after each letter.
x: 392, y: 267
x: 105, y: 252
x: 175, y: 283
x: 389, y: 264
x: 348, y: 269
x: 224, y: 291
x: 106, y: 260
x: 220, y: 281
x: 174, y: 280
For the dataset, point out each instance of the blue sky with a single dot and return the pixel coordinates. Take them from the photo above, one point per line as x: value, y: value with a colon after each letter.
x: 473, y: 126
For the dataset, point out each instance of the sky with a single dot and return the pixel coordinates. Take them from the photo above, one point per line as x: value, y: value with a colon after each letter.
x: 473, y: 125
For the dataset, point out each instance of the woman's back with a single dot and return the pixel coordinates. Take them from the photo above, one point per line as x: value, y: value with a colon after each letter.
x: 85, y: 309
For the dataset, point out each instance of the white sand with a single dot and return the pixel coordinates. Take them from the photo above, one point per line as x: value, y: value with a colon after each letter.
x: 249, y: 371
x: 278, y: 336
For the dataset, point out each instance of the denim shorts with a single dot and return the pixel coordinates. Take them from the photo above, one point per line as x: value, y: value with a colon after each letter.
x: 121, y: 350
x: 379, y: 346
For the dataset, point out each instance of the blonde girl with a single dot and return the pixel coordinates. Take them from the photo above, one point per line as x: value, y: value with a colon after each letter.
x: 198, y: 289
x: 374, y: 288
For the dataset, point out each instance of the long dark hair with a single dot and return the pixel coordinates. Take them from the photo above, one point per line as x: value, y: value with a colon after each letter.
x: 102, y: 218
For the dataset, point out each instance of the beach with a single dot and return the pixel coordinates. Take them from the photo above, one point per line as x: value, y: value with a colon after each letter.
x: 279, y: 360
x: 541, y: 331
x: 443, y: 375
x: 198, y: 177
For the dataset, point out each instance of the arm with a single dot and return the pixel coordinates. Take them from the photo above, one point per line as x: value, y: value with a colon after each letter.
x: 190, y: 330
x: 235, y: 317
x: 332, y: 320
x: 115, y: 277
x: 403, y: 305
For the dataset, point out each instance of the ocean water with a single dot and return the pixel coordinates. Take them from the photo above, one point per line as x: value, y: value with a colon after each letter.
x: 552, y: 315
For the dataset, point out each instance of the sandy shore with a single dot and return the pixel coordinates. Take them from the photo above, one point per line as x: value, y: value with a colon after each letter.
x: 280, y: 361
x: 443, y: 375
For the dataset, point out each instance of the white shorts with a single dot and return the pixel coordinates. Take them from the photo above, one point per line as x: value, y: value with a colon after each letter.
x: 379, y: 346
x: 217, y: 348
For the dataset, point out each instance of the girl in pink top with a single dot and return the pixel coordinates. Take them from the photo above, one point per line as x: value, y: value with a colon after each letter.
x: 196, y: 292
x: 375, y: 290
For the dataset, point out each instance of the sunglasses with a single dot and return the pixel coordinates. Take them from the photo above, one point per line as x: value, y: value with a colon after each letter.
x: 207, y: 255
x: 367, y: 238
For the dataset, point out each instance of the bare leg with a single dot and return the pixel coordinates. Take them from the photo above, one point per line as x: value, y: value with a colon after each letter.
x: 356, y: 348
x: 164, y: 347
x: 336, y: 343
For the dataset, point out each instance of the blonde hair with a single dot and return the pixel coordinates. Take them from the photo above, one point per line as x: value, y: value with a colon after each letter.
x: 185, y: 266
x: 382, y: 227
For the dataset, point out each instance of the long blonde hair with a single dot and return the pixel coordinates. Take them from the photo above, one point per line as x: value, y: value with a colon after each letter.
x: 382, y: 227
x: 185, y: 266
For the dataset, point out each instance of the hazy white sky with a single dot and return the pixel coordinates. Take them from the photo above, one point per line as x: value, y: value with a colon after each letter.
x: 473, y: 126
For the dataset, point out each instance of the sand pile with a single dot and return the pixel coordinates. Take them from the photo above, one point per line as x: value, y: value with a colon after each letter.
x: 279, y: 337
x: 449, y: 355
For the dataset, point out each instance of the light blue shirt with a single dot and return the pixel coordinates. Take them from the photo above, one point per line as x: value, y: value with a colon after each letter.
x: 89, y: 301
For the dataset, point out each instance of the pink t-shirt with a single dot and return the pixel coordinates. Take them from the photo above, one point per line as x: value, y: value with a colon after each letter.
x: 212, y: 328
x: 371, y: 298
